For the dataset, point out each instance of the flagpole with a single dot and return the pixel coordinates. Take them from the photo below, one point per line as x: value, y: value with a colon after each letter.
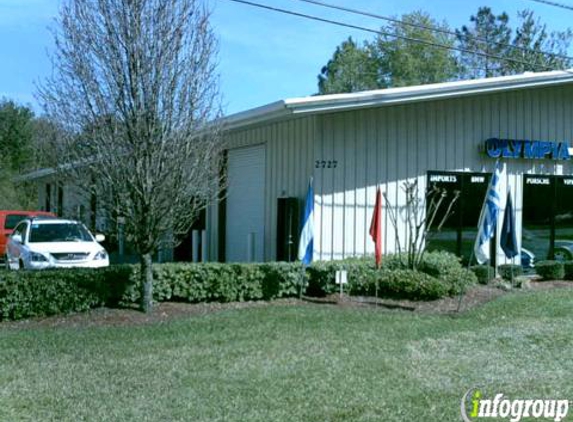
x: 508, y: 239
x: 302, y: 274
x: 375, y: 232
x: 472, y: 254
x: 379, y: 264
x: 306, y: 241
x: 480, y: 227
x: 463, y: 288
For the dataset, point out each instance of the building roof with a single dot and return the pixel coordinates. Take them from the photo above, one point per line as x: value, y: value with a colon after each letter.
x: 393, y: 96
x: 381, y: 97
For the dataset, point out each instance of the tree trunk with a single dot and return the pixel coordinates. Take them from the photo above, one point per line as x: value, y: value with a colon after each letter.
x: 146, y: 283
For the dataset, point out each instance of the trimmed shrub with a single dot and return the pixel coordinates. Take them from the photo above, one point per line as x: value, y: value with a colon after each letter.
x: 550, y: 270
x: 216, y: 282
x: 282, y: 279
x: 484, y: 273
x: 321, y: 277
x: 447, y: 268
x: 361, y: 275
x: 568, y: 270
x: 27, y: 294
x: 506, y: 271
x: 395, y: 261
x: 362, y: 278
x: 409, y: 284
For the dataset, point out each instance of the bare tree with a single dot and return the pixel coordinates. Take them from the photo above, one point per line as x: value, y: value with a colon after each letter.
x: 420, y: 216
x: 135, y: 87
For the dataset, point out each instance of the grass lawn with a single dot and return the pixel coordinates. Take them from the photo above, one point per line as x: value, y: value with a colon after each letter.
x: 290, y: 363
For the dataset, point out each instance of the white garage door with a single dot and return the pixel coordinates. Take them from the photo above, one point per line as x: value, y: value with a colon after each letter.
x: 245, y: 205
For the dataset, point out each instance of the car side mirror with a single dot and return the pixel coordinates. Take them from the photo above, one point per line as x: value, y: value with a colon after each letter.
x: 17, y: 238
x: 100, y: 237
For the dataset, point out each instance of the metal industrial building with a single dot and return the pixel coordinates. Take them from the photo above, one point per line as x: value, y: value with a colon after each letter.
x: 350, y: 143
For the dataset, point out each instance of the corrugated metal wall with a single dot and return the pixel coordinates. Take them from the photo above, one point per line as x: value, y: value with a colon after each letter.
x: 388, y: 145
x: 349, y: 153
x: 289, y: 153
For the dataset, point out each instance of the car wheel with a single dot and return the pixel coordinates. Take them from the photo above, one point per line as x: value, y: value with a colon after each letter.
x: 562, y: 254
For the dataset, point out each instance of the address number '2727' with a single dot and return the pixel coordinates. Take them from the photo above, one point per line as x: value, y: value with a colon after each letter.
x: 325, y: 164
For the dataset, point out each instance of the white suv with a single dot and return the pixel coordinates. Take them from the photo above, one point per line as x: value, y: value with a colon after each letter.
x: 39, y: 243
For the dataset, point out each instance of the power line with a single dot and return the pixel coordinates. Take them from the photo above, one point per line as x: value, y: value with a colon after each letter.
x: 429, y: 28
x: 554, y: 4
x: 378, y: 32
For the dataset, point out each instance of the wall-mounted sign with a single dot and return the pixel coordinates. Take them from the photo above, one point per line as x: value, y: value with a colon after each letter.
x: 443, y: 178
x: 529, y: 150
x: 537, y: 181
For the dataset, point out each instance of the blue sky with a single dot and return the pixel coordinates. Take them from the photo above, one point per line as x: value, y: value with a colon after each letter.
x: 263, y: 56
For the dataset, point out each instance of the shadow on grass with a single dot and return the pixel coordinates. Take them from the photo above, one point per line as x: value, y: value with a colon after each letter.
x: 357, y: 301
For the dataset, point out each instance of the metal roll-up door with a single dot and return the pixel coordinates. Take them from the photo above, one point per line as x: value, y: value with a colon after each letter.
x: 245, y: 205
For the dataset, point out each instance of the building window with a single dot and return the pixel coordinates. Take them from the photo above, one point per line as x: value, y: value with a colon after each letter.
x: 547, y: 224
x: 459, y: 231
x: 563, y: 218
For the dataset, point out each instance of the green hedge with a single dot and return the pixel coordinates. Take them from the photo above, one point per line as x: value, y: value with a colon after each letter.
x: 550, y: 270
x: 409, y: 284
x: 321, y: 276
x: 507, y: 271
x: 215, y: 282
x: 444, y: 267
x: 26, y: 294
x: 448, y: 268
x: 484, y: 273
x: 568, y: 270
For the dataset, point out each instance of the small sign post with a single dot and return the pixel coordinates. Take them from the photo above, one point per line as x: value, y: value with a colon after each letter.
x: 341, y: 279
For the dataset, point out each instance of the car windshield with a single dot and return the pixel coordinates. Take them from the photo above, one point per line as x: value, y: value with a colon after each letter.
x: 59, y: 232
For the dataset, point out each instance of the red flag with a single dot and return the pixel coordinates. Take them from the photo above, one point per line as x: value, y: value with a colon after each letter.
x: 376, y: 227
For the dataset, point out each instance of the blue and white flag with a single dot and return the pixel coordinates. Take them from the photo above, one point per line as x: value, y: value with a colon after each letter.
x: 305, y: 246
x: 488, y: 217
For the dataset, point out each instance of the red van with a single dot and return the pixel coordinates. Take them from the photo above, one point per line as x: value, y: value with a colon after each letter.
x: 9, y: 220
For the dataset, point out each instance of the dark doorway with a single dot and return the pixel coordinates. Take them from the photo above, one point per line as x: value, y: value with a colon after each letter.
x: 287, y: 228
x: 184, y: 251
